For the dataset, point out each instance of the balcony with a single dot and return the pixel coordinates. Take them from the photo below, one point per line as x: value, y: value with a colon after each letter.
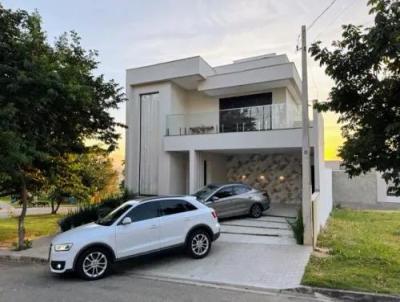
x: 257, y: 118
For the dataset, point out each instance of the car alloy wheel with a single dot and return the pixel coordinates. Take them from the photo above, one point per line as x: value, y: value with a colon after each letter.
x: 200, y: 244
x: 256, y: 211
x: 95, y: 265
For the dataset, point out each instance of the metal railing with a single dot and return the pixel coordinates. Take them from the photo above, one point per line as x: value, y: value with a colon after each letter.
x: 256, y: 118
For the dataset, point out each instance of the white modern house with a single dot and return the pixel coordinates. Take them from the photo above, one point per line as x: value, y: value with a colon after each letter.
x: 191, y: 124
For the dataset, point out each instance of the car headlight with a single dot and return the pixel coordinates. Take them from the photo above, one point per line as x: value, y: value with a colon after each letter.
x: 63, y: 247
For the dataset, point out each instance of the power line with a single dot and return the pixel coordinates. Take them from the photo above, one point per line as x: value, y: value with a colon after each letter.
x: 321, y: 14
x: 344, y: 9
x: 314, y: 21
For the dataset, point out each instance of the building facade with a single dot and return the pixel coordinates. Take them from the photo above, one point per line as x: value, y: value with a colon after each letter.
x: 190, y: 124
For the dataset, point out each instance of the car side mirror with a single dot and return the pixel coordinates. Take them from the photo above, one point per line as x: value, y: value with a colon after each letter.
x: 126, y: 220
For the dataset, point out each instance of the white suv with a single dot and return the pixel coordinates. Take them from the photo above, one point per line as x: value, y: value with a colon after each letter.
x: 135, y: 228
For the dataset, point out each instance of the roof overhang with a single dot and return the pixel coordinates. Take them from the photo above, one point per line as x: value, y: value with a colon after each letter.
x: 185, y: 72
x: 253, y: 80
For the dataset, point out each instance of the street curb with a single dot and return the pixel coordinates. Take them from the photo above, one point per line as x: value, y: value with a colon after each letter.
x: 22, y: 258
x: 346, y: 295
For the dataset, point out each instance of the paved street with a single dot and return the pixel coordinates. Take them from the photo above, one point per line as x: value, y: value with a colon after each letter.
x: 31, y: 282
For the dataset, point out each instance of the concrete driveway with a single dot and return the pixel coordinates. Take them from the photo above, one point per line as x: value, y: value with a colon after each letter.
x: 250, y: 253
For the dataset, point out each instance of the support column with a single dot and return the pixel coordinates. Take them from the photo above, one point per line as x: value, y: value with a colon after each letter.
x: 306, y: 188
x: 193, y: 173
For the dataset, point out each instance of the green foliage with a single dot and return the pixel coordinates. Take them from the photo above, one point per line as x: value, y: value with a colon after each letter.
x: 36, y: 226
x: 363, y: 252
x: 85, y: 177
x: 92, y: 212
x: 365, y: 65
x: 298, y: 227
x: 51, y: 102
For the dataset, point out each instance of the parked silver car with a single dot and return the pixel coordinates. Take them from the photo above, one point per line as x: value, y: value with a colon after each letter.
x: 234, y: 199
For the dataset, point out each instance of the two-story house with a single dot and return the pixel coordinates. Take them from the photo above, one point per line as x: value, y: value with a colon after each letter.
x: 191, y: 124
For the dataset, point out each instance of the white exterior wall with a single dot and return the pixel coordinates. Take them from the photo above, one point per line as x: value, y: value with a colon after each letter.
x: 179, y: 173
x: 133, y: 135
x: 191, y: 86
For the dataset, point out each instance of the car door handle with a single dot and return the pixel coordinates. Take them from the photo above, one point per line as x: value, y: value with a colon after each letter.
x: 187, y: 219
x: 154, y: 226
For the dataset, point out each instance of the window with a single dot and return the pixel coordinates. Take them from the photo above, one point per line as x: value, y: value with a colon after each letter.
x: 224, y: 192
x: 144, y: 211
x: 110, y: 218
x: 205, y: 192
x: 245, y: 113
x: 237, y: 190
x: 252, y: 100
x: 175, y: 206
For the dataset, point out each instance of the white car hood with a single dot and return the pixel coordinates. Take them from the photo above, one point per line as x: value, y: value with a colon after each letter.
x: 83, y: 231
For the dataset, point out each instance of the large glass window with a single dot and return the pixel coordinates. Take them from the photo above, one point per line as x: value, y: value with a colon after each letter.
x: 245, y: 113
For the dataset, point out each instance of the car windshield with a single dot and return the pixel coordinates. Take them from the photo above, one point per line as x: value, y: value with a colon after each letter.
x: 111, y: 217
x: 203, y: 193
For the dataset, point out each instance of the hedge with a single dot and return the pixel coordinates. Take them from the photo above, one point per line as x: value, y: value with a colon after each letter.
x: 92, y: 212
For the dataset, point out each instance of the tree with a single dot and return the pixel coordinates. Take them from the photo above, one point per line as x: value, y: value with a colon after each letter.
x: 87, y: 177
x: 50, y: 104
x: 365, y: 65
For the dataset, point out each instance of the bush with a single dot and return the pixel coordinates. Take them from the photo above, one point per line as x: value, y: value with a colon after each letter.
x: 298, y: 227
x: 92, y: 212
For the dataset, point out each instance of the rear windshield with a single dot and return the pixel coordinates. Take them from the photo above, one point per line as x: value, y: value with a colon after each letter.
x: 203, y: 193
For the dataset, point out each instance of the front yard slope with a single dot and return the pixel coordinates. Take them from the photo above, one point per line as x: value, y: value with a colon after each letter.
x: 361, y: 252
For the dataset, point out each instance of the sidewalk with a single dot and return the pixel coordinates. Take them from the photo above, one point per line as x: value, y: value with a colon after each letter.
x: 38, y: 253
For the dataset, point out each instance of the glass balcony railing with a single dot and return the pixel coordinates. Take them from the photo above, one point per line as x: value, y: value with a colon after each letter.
x: 258, y: 118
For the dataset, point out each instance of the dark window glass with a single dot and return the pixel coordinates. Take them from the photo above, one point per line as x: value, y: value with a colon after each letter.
x: 260, y: 99
x: 110, y: 218
x: 203, y: 193
x: 243, y: 113
x: 224, y: 192
x: 144, y: 211
x: 237, y: 190
x: 175, y: 206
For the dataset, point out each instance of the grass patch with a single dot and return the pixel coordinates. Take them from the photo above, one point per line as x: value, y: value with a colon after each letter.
x: 35, y: 226
x: 364, y: 252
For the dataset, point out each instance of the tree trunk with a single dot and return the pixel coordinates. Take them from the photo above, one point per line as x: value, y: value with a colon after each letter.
x: 54, y: 208
x: 21, y: 218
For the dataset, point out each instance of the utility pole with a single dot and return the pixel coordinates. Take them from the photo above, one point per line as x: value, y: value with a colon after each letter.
x: 306, y: 181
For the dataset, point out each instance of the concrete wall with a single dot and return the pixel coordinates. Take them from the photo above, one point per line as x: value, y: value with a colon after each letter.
x: 278, y: 174
x: 368, y: 191
x: 357, y: 190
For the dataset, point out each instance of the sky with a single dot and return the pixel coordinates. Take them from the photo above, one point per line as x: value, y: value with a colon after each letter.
x: 132, y: 33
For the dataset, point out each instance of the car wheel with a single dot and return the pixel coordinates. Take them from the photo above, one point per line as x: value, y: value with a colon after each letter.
x: 198, y: 244
x: 256, y: 210
x: 93, y: 264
